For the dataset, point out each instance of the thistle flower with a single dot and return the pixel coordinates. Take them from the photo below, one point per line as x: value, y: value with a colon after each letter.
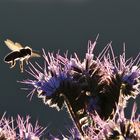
x: 7, y: 129
x: 95, y: 84
x: 27, y: 131
x: 118, y: 128
x: 19, y: 130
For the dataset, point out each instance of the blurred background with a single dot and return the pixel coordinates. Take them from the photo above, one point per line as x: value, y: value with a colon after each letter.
x: 60, y: 25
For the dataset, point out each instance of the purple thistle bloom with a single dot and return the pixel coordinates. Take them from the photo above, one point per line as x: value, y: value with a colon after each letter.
x: 94, y: 85
x: 7, y: 129
x: 118, y: 128
x: 19, y: 130
x: 27, y: 131
x: 131, y: 82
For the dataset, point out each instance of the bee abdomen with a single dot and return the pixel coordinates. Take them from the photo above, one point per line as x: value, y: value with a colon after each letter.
x: 12, y: 56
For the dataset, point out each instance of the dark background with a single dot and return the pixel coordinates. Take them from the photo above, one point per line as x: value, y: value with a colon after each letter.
x: 64, y: 25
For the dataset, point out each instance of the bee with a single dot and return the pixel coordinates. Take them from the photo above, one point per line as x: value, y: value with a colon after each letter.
x: 18, y: 53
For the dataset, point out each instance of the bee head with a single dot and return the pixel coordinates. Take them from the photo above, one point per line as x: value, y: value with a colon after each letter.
x: 28, y: 50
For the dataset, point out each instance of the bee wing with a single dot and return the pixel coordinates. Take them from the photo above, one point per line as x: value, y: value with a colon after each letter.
x: 19, y: 45
x: 35, y: 54
x: 13, y: 46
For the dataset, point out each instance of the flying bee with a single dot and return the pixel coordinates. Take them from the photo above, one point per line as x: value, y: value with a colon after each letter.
x: 18, y: 53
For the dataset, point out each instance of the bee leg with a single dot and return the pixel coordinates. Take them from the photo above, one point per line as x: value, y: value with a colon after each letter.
x: 13, y: 63
x: 26, y: 60
x: 21, y: 66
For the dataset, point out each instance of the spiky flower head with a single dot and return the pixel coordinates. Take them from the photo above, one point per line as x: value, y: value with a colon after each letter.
x: 27, y: 131
x: 118, y: 128
x: 7, y: 129
x: 20, y: 129
x: 86, y: 87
